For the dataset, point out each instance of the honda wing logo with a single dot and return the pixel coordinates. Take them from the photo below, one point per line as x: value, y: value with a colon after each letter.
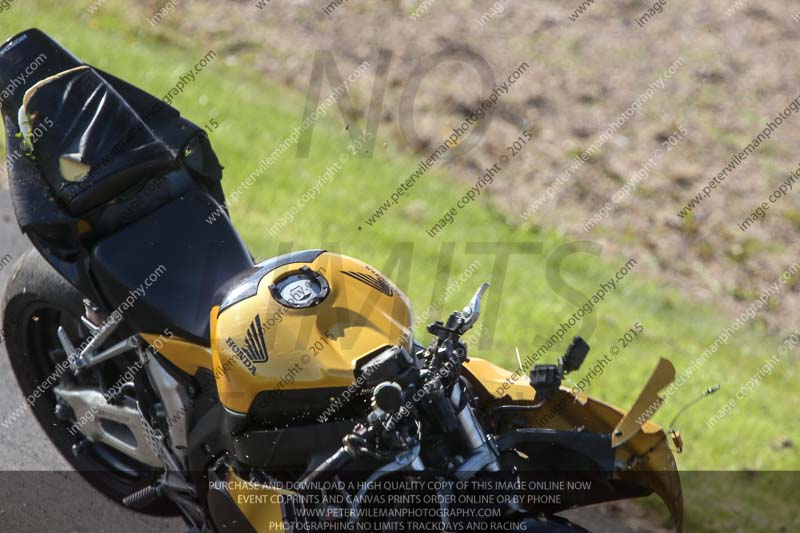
x: 376, y: 282
x: 255, y: 347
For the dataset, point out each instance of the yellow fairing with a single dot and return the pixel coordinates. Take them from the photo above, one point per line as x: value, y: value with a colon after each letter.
x: 495, y: 378
x: 186, y: 355
x: 315, y: 347
x: 259, y: 503
x: 647, y: 455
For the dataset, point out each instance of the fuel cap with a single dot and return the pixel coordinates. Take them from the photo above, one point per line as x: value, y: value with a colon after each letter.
x: 300, y: 289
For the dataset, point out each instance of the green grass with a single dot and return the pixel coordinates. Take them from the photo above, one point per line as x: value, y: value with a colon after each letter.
x: 256, y: 114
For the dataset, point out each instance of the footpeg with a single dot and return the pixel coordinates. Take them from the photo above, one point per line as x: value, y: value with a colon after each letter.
x: 144, y: 497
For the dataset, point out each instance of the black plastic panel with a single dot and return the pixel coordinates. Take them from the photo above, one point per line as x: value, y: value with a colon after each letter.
x: 245, y: 285
x: 291, y: 446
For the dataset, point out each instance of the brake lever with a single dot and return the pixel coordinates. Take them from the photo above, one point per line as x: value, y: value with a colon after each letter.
x: 470, y: 314
x: 459, y: 322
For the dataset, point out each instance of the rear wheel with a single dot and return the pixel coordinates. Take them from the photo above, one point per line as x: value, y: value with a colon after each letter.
x: 37, y: 301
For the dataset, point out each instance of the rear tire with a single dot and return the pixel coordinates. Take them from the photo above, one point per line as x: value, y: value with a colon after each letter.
x: 37, y: 299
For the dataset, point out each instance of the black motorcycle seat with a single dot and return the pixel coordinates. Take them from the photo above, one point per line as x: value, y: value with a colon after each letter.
x: 182, y: 257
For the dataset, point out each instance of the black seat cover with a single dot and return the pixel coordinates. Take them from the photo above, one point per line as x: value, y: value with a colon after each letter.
x: 193, y: 259
x: 127, y: 137
x: 94, y: 132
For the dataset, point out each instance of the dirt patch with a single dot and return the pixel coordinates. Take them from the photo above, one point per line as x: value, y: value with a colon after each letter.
x: 736, y: 75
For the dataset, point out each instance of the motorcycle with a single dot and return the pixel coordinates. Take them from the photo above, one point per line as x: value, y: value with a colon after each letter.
x: 178, y: 377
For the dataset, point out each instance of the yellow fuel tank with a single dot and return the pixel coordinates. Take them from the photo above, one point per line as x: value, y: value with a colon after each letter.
x: 300, y: 323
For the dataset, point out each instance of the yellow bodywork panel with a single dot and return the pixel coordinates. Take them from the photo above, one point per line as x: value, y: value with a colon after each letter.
x: 646, y: 404
x: 186, y: 355
x: 646, y: 456
x: 259, y: 344
x: 499, y: 381
x: 260, y: 504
